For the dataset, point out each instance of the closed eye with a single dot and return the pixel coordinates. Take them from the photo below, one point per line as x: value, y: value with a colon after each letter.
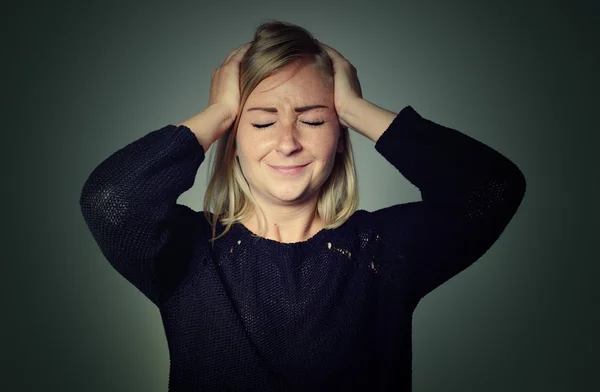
x: 310, y: 124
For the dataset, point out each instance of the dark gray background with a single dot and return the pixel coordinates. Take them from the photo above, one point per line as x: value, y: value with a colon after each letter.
x: 83, y: 79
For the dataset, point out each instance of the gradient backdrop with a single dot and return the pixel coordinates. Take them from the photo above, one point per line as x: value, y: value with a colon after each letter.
x: 83, y: 79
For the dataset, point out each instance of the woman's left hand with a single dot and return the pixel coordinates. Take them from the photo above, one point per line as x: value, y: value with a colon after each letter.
x: 346, y: 85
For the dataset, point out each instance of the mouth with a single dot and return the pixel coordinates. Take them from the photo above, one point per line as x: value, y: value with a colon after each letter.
x: 289, y: 170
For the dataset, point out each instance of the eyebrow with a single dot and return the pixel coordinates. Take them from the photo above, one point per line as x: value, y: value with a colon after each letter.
x: 300, y: 109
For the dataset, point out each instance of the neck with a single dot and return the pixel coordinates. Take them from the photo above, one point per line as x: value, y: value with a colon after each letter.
x: 287, y: 223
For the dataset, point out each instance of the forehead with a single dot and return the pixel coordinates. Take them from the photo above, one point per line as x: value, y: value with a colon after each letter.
x: 293, y: 83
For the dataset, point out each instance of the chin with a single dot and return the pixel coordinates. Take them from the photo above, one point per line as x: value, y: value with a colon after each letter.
x: 291, y: 195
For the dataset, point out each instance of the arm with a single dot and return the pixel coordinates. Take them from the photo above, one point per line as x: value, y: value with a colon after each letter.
x: 469, y: 192
x: 367, y: 118
x: 129, y: 205
x: 215, y: 117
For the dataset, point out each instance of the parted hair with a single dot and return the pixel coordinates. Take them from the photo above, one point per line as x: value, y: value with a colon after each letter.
x: 276, y: 44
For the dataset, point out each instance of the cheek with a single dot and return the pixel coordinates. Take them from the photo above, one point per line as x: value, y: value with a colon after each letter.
x: 326, y: 146
x: 252, y: 143
x: 242, y: 141
x: 249, y: 150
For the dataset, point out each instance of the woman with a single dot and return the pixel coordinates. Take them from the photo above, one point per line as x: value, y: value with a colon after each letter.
x: 286, y: 286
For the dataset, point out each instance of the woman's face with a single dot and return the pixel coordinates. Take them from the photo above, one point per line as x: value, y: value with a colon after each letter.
x: 285, y: 159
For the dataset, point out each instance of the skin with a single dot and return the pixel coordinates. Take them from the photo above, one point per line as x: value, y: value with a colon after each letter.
x: 290, y: 207
x: 288, y: 201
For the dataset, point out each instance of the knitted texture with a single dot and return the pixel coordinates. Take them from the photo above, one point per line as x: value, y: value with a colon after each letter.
x: 331, y: 313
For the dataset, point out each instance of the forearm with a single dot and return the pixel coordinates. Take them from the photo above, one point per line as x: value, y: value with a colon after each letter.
x: 447, y: 165
x: 367, y: 118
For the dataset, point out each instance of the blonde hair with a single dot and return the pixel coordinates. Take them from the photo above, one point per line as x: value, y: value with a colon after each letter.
x: 276, y: 44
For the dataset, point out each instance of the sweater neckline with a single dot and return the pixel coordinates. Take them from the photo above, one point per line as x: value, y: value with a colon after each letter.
x: 316, y: 239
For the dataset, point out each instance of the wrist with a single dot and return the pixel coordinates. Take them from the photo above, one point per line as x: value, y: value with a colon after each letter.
x: 367, y: 118
x: 348, y: 112
x: 209, y: 124
x: 222, y: 115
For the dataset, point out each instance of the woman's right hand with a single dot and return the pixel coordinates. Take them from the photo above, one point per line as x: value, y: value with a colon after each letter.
x: 224, y: 101
x: 225, y: 82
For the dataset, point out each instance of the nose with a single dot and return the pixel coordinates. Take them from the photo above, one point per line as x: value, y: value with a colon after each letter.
x: 288, y: 142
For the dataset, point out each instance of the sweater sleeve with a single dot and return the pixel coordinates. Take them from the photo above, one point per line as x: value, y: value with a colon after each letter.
x: 129, y: 203
x: 469, y: 194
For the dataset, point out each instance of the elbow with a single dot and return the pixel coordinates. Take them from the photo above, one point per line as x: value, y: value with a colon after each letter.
x: 513, y: 185
x: 518, y: 186
x: 103, y: 205
x: 512, y: 196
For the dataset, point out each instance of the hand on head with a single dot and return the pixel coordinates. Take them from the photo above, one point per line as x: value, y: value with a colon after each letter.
x: 346, y: 84
x: 225, y: 89
x: 225, y: 82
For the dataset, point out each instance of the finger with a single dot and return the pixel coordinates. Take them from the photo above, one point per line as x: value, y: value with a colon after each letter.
x: 334, y: 54
x: 238, y: 53
x: 241, y: 52
x: 230, y: 55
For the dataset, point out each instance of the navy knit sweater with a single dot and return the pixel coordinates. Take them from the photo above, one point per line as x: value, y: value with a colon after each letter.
x: 331, y: 313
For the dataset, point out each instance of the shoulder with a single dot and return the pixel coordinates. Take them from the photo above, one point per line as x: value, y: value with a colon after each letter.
x: 366, y: 226
x: 189, y: 222
x: 384, y: 218
x: 385, y: 226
